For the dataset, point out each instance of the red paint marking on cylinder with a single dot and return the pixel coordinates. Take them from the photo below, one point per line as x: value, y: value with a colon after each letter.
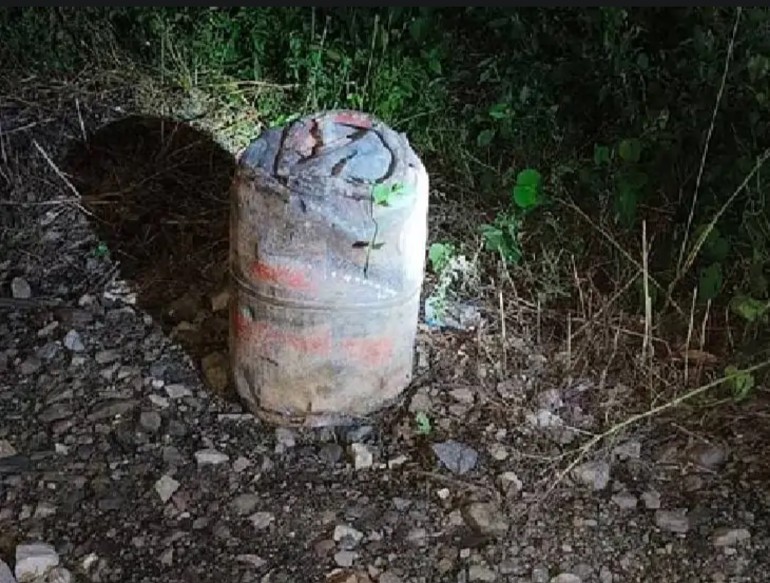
x: 354, y: 120
x: 369, y: 351
x: 283, y: 276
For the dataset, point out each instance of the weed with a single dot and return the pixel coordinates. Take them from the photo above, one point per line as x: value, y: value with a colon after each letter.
x: 502, y: 236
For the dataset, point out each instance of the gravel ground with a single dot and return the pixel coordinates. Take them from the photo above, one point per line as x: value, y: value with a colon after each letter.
x: 122, y: 461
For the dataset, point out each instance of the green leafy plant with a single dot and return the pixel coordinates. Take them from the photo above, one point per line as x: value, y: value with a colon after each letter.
x: 388, y: 194
x: 740, y: 383
x: 101, y: 250
x: 502, y: 236
x: 424, y: 426
x: 527, y: 192
x: 439, y: 255
x: 750, y: 309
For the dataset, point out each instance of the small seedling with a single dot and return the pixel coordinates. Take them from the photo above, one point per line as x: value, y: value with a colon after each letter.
x: 439, y: 256
x: 423, y: 423
x: 386, y: 194
x: 101, y: 250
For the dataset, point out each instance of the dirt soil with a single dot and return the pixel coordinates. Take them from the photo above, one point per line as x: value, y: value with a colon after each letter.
x: 124, y: 459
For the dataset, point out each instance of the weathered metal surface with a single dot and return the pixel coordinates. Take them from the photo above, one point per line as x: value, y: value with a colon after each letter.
x: 326, y: 282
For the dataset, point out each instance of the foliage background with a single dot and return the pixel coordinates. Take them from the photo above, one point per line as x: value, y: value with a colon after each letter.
x: 616, y: 110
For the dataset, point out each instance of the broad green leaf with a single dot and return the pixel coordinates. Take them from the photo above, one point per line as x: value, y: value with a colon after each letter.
x: 643, y: 61
x: 485, y: 138
x: 710, y: 282
x: 502, y: 240
x: 385, y: 194
x: 529, y: 177
x: 630, y: 150
x: 526, y: 192
x: 525, y: 196
x: 748, y: 308
x: 439, y: 255
x: 740, y: 383
x: 601, y: 155
x: 381, y: 194
x: 499, y: 111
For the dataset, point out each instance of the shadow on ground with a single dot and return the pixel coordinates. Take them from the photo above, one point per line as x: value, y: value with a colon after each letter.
x: 157, y: 190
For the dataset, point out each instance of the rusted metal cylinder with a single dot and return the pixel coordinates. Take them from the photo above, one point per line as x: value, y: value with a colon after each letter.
x: 328, y: 232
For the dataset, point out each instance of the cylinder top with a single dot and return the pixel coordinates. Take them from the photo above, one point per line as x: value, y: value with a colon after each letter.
x: 329, y: 148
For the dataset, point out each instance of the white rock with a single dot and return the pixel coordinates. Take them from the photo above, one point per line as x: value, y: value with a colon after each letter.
x: 6, y: 449
x: 345, y: 558
x: 34, y: 561
x: 158, y: 401
x: 240, y: 464
x: 509, y: 482
x: 47, y: 329
x: 462, y: 395
x: 166, y: 486
x: 729, y: 537
x: 245, y: 503
x: 550, y: 399
x: 397, y: 461
x: 254, y: 561
x: 177, y: 391
x: 261, y: 520
x: 481, y: 573
x: 487, y: 518
x: 362, y: 456
x: 389, y: 577
x: 20, y: 289
x: 421, y: 402
x: 498, y: 451
x: 342, y: 531
x: 73, y: 342
x: 566, y: 578
x: 629, y: 450
x: 675, y: 521
x: 6, y: 576
x: 651, y: 499
x: 167, y: 558
x: 543, y: 419
x: 285, y: 438
x: 89, y: 561
x: 625, y: 500
x: 211, y: 457
x: 44, y: 510
x: 595, y: 474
